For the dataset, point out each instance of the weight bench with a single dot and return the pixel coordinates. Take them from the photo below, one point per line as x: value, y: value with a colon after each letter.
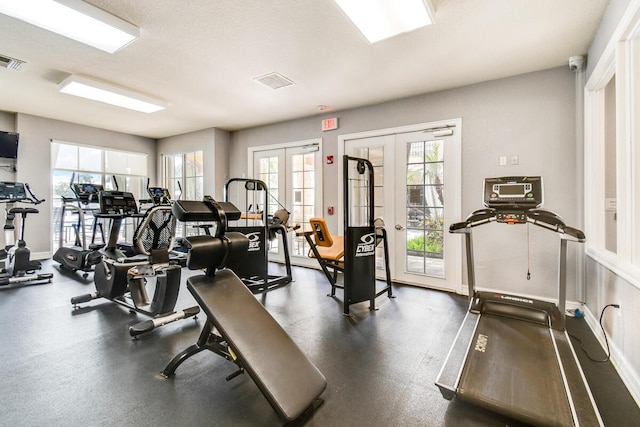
x: 238, y: 327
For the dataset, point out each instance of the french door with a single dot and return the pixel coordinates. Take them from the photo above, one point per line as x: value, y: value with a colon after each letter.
x: 293, y: 175
x: 417, y: 194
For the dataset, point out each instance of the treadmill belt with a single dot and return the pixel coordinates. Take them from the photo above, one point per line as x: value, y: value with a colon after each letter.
x: 512, y: 369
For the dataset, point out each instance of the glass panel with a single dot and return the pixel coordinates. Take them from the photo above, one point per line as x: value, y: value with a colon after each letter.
x: 415, y: 152
x: 433, y: 151
x: 296, y: 161
x: 91, y: 159
x: 434, y: 173
x: 415, y: 251
x: 189, y: 164
x: 67, y: 156
x: 376, y: 156
x: 309, y: 179
x: 434, y: 195
x: 198, y: 159
x: 415, y: 174
x: 425, y: 208
x: 61, y: 181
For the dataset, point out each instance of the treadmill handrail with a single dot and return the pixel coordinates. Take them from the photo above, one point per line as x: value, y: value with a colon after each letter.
x: 541, y: 217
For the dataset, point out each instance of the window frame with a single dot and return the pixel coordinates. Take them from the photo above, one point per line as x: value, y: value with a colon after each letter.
x: 620, y: 59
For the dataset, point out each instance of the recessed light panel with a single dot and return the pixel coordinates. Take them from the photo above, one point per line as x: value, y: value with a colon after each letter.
x: 76, y: 20
x: 381, y: 19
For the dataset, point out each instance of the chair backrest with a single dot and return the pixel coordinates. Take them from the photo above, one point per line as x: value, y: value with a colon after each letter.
x: 156, y: 230
x: 321, y: 232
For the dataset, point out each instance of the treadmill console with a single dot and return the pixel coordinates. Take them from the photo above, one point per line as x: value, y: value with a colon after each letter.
x: 512, y: 197
x: 117, y: 203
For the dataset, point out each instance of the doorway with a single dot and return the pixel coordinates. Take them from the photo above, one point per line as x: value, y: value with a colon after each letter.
x: 293, y: 175
x: 417, y: 192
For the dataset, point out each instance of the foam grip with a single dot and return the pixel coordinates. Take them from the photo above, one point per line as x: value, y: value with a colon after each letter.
x: 81, y: 298
x: 141, y: 328
x: 191, y: 311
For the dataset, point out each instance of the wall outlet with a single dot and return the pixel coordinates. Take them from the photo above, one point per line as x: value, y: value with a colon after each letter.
x: 514, y: 160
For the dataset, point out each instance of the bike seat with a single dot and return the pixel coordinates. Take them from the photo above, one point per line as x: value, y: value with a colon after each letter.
x: 23, y: 211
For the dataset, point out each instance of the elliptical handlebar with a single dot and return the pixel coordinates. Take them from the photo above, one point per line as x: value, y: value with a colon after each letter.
x: 12, y: 192
x: 33, y: 198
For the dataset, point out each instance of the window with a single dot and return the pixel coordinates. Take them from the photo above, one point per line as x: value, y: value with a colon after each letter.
x: 93, y: 165
x: 183, y: 175
x: 612, y: 158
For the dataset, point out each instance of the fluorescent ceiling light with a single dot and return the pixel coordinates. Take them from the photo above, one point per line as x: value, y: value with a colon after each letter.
x: 102, y: 92
x: 75, y: 19
x: 381, y: 19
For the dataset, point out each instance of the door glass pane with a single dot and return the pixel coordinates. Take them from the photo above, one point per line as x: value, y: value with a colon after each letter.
x: 425, y: 208
x: 375, y: 154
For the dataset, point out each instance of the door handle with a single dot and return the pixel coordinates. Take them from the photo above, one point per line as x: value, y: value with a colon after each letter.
x: 399, y: 227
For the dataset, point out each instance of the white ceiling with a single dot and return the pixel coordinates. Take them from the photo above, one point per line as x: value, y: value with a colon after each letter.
x: 202, y: 56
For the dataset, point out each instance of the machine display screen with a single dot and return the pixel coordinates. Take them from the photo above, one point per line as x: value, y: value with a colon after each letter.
x: 522, y: 191
x: 512, y: 190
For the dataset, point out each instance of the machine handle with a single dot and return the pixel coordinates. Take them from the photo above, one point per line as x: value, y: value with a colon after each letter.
x: 575, y: 233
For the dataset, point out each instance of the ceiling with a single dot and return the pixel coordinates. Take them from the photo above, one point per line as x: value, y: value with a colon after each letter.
x: 202, y: 56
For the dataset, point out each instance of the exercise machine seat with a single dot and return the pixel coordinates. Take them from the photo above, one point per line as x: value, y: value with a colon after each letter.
x: 329, y: 247
x: 279, y: 368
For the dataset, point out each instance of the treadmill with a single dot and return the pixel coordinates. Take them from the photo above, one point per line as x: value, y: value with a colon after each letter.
x: 512, y: 354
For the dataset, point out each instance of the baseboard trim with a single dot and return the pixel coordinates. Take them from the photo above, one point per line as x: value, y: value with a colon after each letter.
x: 40, y: 255
x: 620, y: 363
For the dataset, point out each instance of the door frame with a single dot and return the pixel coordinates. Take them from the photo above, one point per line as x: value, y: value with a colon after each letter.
x: 455, y: 205
x: 319, y: 187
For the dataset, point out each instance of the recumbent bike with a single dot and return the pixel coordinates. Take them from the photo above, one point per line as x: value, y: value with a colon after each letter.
x: 124, y: 280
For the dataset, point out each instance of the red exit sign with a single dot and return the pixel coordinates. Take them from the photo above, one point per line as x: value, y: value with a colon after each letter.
x: 330, y: 124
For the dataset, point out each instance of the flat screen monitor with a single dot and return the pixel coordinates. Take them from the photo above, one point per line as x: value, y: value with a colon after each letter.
x: 8, y: 145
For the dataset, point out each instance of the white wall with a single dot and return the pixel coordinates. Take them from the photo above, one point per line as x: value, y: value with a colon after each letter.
x: 34, y: 165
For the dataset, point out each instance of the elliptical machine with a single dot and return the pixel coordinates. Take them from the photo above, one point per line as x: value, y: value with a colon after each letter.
x: 15, y: 258
x: 80, y: 257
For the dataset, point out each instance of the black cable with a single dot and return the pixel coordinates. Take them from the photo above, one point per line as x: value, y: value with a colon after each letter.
x: 606, y: 341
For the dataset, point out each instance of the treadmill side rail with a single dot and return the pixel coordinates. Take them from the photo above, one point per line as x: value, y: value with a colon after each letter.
x: 583, y: 405
x: 451, y: 370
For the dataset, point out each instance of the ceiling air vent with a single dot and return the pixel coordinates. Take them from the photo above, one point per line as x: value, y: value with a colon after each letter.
x: 10, y: 63
x: 274, y: 80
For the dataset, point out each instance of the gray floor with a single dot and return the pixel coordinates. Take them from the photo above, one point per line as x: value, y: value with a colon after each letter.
x: 68, y: 367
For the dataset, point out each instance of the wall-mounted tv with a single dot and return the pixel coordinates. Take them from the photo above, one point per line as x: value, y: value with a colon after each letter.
x: 9, y: 145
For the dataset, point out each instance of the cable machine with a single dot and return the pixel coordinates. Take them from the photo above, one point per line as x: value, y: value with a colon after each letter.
x: 362, y: 236
x: 260, y: 227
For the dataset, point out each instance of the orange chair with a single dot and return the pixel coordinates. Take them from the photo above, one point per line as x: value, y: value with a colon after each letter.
x: 327, y: 249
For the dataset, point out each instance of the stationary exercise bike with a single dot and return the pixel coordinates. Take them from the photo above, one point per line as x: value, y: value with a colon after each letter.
x: 15, y: 259
x: 123, y: 280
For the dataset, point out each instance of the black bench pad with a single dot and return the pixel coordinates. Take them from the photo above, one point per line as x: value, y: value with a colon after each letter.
x: 289, y: 381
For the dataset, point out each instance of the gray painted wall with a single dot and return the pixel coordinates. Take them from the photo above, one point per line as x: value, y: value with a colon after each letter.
x: 531, y: 115
x: 610, y: 20
x: 34, y: 164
